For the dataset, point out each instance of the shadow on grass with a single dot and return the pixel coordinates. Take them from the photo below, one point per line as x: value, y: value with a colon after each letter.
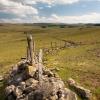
x: 2, y: 86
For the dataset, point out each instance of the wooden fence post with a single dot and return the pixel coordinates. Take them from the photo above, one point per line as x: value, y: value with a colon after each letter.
x: 30, y: 49
x: 34, y: 47
x: 28, y: 54
x: 64, y: 43
x: 55, y: 45
x: 40, y: 66
x: 52, y: 45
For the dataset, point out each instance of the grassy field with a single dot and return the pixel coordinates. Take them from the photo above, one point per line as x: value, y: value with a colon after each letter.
x: 82, y: 62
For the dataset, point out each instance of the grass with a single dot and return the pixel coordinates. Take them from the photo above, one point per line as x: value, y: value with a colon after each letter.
x: 82, y: 63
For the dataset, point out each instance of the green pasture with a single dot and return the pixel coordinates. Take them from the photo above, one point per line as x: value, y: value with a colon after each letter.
x: 82, y: 62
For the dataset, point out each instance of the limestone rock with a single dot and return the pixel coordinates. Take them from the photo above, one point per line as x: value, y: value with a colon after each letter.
x: 26, y: 85
x: 48, y: 73
x: 69, y: 95
x: 22, y: 85
x: 31, y: 81
x: 55, y: 69
x: 17, y: 92
x: 53, y: 97
x: 1, y: 78
x: 9, y: 89
x: 84, y: 93
x: 29, y: 89
x: 31, y: 70
x: 14, y: 70
x: 71, y: 82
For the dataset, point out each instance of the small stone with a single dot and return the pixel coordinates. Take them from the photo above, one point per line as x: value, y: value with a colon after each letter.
x: 56, y: 75
x: 9, y: 89
x: 54, y: 97
x: 69, y: 95
x: 49, y: 73
x: 1, y: 78
x: 55, y: 69
x: 17, y: 92
x: 22, y: 85
x: 15, y: 69
x: 28, y: 90
x: 71, y: 82
x: 84, y: 93
x: 32, y: 82
x: 31, y: 70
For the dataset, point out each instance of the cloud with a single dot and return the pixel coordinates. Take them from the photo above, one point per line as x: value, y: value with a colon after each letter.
x: 16, y: 8
x: 33, y: 19
x: 55, y: 2
x: 24, y: 11
x: 24, y: 8
x: 49, y: 2
x: 87, y: 18
x: 66, y: 1
x: 28, y: 2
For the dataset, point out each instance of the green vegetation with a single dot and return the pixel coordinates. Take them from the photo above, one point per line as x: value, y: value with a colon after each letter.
x: 82, y: 62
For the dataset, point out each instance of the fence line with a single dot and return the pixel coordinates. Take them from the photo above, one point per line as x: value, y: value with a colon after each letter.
x: 55, y: 46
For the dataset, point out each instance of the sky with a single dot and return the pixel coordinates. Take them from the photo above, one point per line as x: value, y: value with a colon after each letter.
x: 50, y: 11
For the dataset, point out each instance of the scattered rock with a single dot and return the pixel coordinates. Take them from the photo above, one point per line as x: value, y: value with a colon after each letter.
x: 29, y: 89
x: 22, y: 85
x: 9, y: 89
x: 32, y: 82
x: 31, y: 70
x: 69, y: 95
x: 55, y: 69
x: 81, y: 91
x: 84, y: 93
x: 1, y: 78
x: 18, y: 92
x: 48, y: 73
x: 71, y: 82
x: 14, y: 70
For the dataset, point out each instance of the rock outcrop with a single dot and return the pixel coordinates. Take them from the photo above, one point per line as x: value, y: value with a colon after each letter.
x: 81, y: 91
x: 24, y: 84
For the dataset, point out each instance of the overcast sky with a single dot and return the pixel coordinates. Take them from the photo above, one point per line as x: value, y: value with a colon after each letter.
x: 52, y: 11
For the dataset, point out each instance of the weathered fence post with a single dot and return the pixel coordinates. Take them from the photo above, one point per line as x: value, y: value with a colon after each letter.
x: 40, y: 66
x: 34, y: 47
x: 51, y: 45
x: 55, y: 45
x: 65, y: 44
x: 30, y: 53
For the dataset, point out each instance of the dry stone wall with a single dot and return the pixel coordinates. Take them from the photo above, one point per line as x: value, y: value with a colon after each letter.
x: 25, y: 85
x: 30, y: 80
